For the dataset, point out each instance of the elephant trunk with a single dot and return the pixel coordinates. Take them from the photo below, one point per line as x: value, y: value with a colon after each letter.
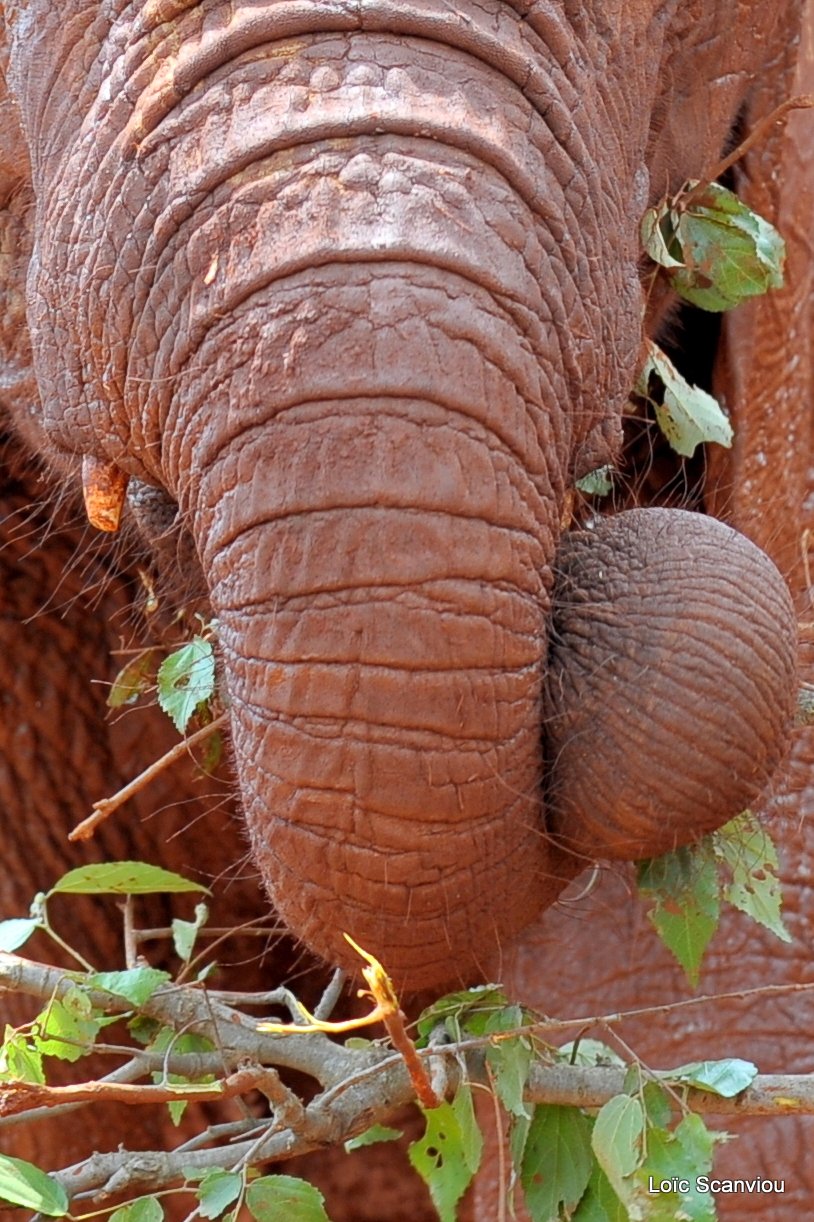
x: 379, y: 555
x: 364, y: 301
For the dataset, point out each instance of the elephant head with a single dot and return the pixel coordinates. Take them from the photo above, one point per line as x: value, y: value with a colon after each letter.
x: 355, y: 286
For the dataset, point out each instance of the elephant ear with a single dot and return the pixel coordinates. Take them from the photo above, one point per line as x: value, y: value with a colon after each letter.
x: 764, y: 371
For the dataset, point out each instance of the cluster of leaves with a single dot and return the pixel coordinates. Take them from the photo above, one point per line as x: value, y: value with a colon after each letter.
x: 184, y: 682
x: 567, y: 1161
x: 715, y: 252
x: 737, y: 864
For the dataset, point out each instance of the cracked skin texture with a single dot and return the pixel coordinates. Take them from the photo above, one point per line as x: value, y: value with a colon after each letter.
x: 399, y: 241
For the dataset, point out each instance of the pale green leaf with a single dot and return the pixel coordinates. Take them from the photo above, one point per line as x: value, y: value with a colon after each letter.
x: 136, y: 985
x: 657, y: 235
x: 217, y: 1190
x: 133, y: 679
x: 145, y: 1209
x: 278, y: 1197
x: 15, y: 932
x: 122, y: 878
x: 557, y: 1160
x: 727, y: 1077
x: 19, y: 1060
x: 186, y: 679
x: 67, y: 1027
x: 598, y: 482
x: 440, y: 1159
x: 23, y: 1184
x: 729, y: 252
x: 745, y: 847
x: 185, y: 933
x: 666, y: 1183
x: 687, y: 415
x: 371, y: 1136
x: 805, y: 707
x: 684, y: 888
x: 589, y: 1052
x: 617, y: 1139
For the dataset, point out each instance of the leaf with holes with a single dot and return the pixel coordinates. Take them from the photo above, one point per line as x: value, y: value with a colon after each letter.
x: 440, y: 1158
x: 746, y: 850
x: 186, y: 679
x: 683, y: 887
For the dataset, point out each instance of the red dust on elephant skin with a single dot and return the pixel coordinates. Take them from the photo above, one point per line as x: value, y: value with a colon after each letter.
x: 671, y: 682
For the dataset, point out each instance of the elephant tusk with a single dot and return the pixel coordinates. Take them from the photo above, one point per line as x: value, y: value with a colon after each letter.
x: 103, y: 486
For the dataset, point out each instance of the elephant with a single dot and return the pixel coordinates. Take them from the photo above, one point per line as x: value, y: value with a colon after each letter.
x: 333, y: 304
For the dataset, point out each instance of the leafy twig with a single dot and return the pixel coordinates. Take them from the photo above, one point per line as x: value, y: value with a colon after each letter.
x: 106, y: 806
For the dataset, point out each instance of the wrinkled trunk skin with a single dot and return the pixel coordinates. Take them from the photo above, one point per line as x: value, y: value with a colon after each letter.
x: 360, y: 291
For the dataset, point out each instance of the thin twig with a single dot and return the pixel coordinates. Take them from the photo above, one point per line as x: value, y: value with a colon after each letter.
x: 803, y: 101
x: 106, y: 806
x: 329, y: 999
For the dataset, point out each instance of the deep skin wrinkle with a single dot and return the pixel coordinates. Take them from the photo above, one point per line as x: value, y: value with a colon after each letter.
x: 357, y: 285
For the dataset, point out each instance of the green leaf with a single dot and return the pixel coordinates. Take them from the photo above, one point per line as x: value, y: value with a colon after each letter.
x: 589, y: 1052
x: 376, y: 1133
x: 133, y: 679
x: 440, y: 1158
x: 617, y: 1139
x: 216, y: 1192
x: 122, y: 878
x: 185, y: 933
x: 145, y: 1209
x: 510, y: 1059
x: 684, y: 886
x: 747, y: 850
x: 23, y: 1184
x: 186, y: 679
x: 277, y: 1197
x: 137, y: 984
x: 658, y: 235
x: 656, y: 1104
x: 470, y: 1007
x: 19, y: 1061
x: 687, y: 415
x: 600, y: 1203
x: 598, y: 482
x: 727, y: 1077
x: 67, y: 1027
x: 717, y: 252
x: 212, y: 752
x: 678, y: 1158
x: 15, y: 932
x: 557, y: 1160
x: 471, y: 1137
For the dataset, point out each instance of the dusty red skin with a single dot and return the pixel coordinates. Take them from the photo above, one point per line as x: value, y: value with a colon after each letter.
x: 358, y: 287
x: 127, y: 261
x: 673, y: 641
